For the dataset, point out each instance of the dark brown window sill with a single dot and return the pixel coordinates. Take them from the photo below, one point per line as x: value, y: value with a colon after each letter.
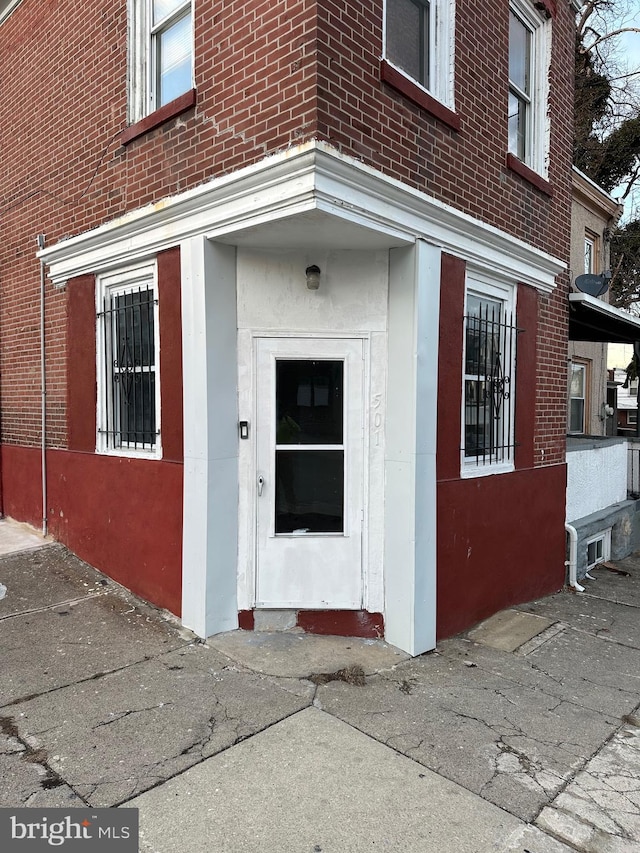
x: 529, y: 175
x: 158, y: 117
x: 416, y: 94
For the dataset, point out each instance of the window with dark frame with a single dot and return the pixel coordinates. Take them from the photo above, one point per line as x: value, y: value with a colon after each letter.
x: 490, y: 341
x: 129, y: 418
x: 408, y: 38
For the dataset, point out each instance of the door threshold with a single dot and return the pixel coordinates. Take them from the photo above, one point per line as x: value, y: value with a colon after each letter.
x: 338, y: 623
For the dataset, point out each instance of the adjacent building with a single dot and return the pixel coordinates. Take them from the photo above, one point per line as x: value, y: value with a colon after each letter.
x: 602, y: 467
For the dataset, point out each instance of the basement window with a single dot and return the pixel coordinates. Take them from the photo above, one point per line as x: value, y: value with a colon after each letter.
x: 598, y: 549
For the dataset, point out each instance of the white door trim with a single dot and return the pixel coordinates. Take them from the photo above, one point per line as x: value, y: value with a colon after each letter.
x: 410, y: 461
x: 351, y: 547
x: 210, y: 392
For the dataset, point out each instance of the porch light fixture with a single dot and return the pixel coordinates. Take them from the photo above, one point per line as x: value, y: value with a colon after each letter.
x: 313, y: 277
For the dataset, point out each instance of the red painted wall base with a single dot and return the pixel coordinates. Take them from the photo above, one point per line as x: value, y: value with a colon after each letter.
x: 501, y: 542
x: 123, y: 516
x: 338, y: 623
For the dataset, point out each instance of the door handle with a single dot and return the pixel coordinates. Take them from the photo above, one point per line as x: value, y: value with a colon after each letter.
x: 260, y: 485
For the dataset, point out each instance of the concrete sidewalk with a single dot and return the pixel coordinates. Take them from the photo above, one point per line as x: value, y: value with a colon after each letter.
x: 523, y: 735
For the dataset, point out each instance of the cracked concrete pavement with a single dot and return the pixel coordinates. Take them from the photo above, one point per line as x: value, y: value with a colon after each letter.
x: 521, y: 741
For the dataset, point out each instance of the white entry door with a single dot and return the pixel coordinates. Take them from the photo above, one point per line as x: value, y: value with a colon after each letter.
x: 309, y: 473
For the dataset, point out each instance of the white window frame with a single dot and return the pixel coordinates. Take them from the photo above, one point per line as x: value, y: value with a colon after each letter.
x: 592, y: 247
x: 603, y: 538
x: 483, y: 285
x: 7, y: 7
x: 578, y: 365
x: 441, y: 51
x: 537, y: 137
x: 141, y: 57
x: 632, y: 417
x: 114, y: 283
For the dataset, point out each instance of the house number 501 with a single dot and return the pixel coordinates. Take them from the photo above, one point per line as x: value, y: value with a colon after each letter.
x: 376, y: 403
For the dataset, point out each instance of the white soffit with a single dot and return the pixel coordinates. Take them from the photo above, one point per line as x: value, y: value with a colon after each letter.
x: 307, y: 196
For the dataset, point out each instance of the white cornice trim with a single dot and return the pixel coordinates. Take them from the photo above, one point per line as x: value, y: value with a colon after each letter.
x: 6, y: 8
x: 311, y: 177
x: 592, y: 193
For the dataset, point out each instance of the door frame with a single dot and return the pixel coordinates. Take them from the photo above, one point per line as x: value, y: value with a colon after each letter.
x: 252, y: 471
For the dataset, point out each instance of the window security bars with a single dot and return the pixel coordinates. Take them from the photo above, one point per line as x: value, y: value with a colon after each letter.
x: 488, y: 403
x: 129, y: 403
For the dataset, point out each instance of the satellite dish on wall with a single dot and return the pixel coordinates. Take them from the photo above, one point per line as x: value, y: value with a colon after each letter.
x: 594, y: 285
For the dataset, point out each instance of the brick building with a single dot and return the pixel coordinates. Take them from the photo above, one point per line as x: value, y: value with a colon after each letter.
x: 298, y: 322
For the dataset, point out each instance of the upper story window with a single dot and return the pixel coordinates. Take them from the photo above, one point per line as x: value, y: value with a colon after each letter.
x: 128, y: 358
x: 528, y: 86
x: 488, y: 439
x: 590, y: 253
x: 418, y: 43
x: 160, y: 53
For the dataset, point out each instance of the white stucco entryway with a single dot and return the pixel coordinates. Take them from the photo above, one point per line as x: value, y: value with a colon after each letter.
x: 245, y: 240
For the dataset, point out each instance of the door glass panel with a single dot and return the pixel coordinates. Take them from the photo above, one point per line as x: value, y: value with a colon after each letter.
x: 309, y: 402
x: 309, y: 491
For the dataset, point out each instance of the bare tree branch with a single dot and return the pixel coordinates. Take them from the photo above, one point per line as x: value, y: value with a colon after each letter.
x: 606, y: 36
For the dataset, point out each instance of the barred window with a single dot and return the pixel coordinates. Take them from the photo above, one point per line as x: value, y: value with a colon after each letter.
x: 128, y: 351
x: 489, y: 365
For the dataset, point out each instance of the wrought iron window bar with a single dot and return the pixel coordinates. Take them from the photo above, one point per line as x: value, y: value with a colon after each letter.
x: 490, y: 357
x: 129, y: 404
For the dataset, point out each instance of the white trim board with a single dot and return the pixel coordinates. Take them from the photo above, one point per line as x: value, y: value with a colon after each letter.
x: 6, y: 8
x: 311, y: 179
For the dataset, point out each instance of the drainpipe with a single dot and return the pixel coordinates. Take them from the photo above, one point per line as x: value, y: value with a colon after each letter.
x: 43, y: 392
x: 572, y: 562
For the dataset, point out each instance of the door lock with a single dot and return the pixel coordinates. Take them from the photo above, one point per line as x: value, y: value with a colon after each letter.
x: 260, y: 485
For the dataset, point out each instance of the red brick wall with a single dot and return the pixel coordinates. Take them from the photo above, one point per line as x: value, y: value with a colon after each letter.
x: 64, y: 170
x: 268, y: 75
x: 465, y: 168
x: 122, y: 515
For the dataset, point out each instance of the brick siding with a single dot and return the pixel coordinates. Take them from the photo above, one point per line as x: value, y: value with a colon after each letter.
x: 268, y: 75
